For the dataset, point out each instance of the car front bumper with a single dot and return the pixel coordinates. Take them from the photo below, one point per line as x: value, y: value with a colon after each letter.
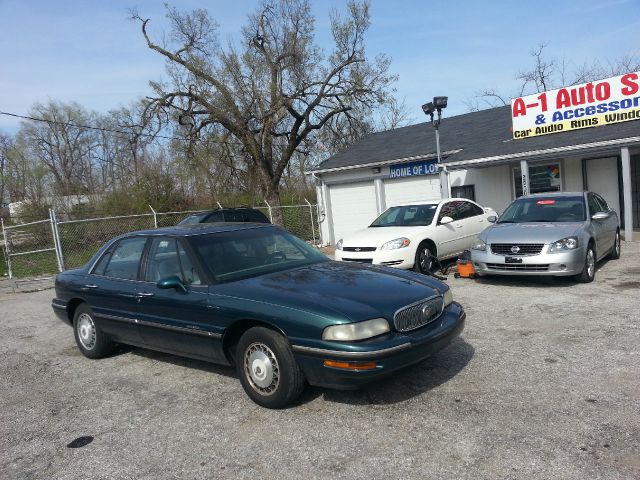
x: 394, y: 352
x: 397, y: 258
x: 556, y: 264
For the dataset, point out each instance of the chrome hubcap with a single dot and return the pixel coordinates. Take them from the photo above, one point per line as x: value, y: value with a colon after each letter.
x: 591, y: 263
x: 86, y: 331
x: 262, y: 368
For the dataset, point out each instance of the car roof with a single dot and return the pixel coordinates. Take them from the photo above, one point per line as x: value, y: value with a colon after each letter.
x: 200, y: 229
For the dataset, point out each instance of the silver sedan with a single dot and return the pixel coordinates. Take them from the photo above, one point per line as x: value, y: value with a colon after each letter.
x: 563, y: 234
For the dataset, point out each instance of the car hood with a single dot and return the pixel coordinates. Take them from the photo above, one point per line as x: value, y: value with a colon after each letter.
x: 345, y: 291
x: 376, y: 236
x: 537, y: 232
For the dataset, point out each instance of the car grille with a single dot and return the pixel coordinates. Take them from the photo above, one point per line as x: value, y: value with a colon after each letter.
x: 419, y: 314
x: 359, y: 260
x: 524, y: 249
x: 518, y: 267
x: 358, y: 249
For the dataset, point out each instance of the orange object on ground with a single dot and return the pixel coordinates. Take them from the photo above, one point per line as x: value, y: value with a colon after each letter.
x: 465, y: 269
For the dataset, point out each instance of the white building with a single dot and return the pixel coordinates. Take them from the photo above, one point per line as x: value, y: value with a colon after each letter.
x: 483, y: 163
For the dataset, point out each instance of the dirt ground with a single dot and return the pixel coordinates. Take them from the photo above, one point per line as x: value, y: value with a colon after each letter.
x: 543, y: 384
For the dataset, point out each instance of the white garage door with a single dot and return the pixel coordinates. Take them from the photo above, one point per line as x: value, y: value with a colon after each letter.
x: 400, y: 191
x: 353, y: 206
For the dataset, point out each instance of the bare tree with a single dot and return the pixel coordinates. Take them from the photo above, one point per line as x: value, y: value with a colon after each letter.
x: 62, y: 145
x: 547, y: 73
x: 275, y: 91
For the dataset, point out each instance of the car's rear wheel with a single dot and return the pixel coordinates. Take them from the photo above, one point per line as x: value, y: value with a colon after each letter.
x: 589, y: 269
x: 425, y: 259
x: 91, y: 340
x: 267, y: 368
x: 615, y: 252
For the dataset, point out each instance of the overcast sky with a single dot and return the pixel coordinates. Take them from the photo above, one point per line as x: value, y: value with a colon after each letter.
x: 89, y: 52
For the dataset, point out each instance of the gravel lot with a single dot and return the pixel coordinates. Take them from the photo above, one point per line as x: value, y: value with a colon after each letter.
x: 544, y: 383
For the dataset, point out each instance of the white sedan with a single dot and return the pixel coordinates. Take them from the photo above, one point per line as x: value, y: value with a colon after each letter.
x: 411, y: 236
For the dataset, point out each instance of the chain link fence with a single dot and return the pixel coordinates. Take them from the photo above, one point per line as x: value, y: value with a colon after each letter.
x: 48, y: 246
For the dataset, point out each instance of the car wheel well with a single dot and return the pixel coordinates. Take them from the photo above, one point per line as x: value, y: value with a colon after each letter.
x: 431, y: 244
x: 233, y: 333
x: 72, y: 305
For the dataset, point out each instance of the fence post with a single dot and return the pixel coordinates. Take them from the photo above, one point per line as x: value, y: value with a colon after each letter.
x: 155, y: 217
x: 313, y: 228
x: 270, y: 213
x: 6, y: 249
x: 56, y: 239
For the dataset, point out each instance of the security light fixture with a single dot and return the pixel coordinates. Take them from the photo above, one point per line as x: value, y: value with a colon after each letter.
x: 440, y: 102
x: 429, y: 108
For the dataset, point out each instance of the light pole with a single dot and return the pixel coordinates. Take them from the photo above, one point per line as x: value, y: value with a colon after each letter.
x: 437, y: 105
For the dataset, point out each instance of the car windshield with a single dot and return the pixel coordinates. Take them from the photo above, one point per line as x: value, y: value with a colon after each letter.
x: 193, y: 219
x: 248, y: 253
x: 545, y: 209
x: 406, y: 216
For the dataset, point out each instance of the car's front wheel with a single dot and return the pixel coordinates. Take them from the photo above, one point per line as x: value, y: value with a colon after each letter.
x: 91, y: 340
x: 267, y: 368
x: 589, y: 269
x: 425, y: 260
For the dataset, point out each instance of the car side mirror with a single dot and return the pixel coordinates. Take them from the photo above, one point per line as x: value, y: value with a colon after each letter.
x: 445, y: 220
x: 600, y: 216
x: 172, y: 282
x: 492, y: 219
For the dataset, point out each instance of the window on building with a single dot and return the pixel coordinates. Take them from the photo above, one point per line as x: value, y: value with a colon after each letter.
x: 464, y: 191
x: 542, y: 178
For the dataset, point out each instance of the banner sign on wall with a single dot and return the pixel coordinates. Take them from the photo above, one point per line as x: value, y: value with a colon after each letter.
x: 592, y: 104
x: 429, y: 167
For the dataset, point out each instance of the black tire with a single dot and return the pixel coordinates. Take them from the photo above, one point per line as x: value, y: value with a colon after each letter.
x: 425, y: 259
x: 589, y: 269
x: 615, y: 251
x: 91, y: 340
x: 273, y: 363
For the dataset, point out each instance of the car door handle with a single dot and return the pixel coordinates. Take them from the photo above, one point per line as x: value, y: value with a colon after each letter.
x: 458, y: 226
x: 145, y: 294
x: 90, y: 285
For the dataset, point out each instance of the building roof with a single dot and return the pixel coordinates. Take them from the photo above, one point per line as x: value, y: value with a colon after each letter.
x: 483, y: 135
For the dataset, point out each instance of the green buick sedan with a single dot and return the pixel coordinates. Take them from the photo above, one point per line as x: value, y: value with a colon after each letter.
x: 258, y: 298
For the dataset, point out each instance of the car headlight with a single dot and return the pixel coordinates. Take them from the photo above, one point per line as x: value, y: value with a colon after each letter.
x: 339, y: 245
x: 569, y: 243
x: 397, y: 243
x: 356, y: 331
x: 479, y: 245
x: 447, y: 297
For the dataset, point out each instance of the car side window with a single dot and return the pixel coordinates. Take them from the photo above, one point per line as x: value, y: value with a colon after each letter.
x: 594, y: 206
x: 215, y: 217
x: 189, y: 274
x: 465, y: 210
x: 256, y: 216
x: 477, y: 210
x: 447, y: 210
x: 102, y: 263
x: 167, y: 258
x: 124, y: 263
x: 603, y: 204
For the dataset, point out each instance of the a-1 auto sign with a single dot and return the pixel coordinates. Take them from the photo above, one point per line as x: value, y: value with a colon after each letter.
x: 592, y: 104
x: 400, y: 170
